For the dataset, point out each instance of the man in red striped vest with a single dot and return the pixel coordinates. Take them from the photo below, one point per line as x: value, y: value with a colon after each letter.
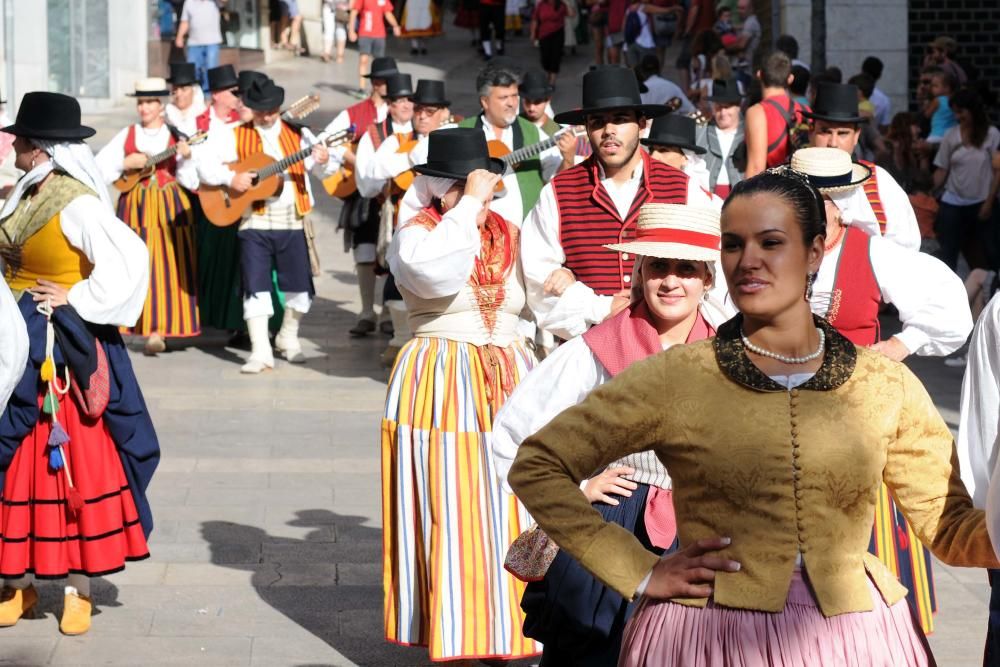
x: 881, y: 207
x: 572, y: 281
x: 225, y: 102
x: 273, y: 232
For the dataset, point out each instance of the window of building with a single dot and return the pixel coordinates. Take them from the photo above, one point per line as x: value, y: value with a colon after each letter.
x: 78, y: 47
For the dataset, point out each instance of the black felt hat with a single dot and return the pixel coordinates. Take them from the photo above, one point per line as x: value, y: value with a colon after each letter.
x: 837, y: 103
x: 222, y: 77
x: 263, y: 95
x: 182, y: 74
x: 674, y: 130
x: 430, y: 93
x: 535, y: 86
x: 456, y: 152
x: 248, y: 76
x: 610, y: 89
x: 398, y: 85
x: 725, y: 91
x: 382, y: 68
x: 52, y: 116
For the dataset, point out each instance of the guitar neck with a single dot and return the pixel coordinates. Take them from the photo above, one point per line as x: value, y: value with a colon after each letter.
x: 522, y: 154
x: 283, y: 164
x: 161, y: 156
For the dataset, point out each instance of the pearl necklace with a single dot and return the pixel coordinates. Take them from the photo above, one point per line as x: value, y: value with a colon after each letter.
x: 782, y: 358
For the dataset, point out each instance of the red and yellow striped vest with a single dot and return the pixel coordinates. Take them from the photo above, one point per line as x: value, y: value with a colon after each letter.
x: 871, y: 191
x: 248, y: 142
x: 588, y: 219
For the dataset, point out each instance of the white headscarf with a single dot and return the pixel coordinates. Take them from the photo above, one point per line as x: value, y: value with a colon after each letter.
x: 73, y: 157
x: 424, y: 190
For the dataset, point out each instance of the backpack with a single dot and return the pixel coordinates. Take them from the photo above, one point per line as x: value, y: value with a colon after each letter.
x: 633, y: 27
x: 795, y: 132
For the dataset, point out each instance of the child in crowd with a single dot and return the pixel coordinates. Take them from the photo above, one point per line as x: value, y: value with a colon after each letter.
x: 724, y: 26
x: 937, y: 109
x: 925, y: 206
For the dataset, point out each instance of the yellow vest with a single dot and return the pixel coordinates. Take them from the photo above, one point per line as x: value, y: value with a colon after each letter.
x: 48, y: 255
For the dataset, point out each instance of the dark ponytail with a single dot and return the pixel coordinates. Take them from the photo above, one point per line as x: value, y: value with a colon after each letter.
x: 795, y: 189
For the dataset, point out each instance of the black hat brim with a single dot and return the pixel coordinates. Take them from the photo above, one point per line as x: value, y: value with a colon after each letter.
x: 725, y: 100
x: 182, y: 82
x: 536, y: 93
x: 496, y: 166
x: 382, y: 74
x: 812, y: 115
x: 65, y: 134
x: 399, y: 94
x: 263, y: 105
x: 431, y: 103
x: 579, y: 116
x: 149, y: 93
x: 694, y: 148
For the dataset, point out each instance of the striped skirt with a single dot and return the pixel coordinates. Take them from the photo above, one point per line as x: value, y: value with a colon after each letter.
x: 163, y: 218
x: 447, y: 523
x: 896, y: 545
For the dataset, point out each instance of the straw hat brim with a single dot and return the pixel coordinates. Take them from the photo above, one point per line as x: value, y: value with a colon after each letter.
x: 665, y: 250
x: 859, y: 175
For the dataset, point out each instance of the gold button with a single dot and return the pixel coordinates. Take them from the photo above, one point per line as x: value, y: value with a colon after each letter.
x: 802, y: 527
x: 798, y: 492
x: 798, y: 505
x: 796, y: 453
x: 795, y: 393
x: 795, y: 421
x: 795, y: 432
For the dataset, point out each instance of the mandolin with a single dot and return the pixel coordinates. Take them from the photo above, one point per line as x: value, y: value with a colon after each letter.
x: 223, y: 206
x: 301, y: 107
x: 131, y: 177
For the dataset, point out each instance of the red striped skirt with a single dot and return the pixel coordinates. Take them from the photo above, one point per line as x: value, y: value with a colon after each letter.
x: 38, y: 533
x: 163, y: 218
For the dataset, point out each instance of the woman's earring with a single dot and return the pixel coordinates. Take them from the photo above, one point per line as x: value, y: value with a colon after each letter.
x: 810, y: 279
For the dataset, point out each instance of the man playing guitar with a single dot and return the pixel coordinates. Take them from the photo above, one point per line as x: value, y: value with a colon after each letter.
x: 272, y: 233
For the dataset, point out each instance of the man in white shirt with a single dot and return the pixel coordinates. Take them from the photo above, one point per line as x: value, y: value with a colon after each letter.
x: 272, y: 233
x: 654, y: 89
x: 200, y: 24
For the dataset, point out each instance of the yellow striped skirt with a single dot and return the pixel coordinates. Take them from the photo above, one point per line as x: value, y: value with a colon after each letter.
x: 447, y: 523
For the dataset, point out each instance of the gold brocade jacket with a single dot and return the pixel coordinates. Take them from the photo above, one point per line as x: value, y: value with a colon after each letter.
x: 780, y: 472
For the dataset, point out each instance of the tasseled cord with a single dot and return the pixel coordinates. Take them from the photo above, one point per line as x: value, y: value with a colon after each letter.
x: 50, y: 406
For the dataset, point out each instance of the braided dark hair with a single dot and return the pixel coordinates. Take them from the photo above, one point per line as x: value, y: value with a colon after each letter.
x: 795, y: 189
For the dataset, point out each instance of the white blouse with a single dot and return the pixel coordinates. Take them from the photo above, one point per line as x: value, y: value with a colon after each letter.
x: 432, y: 269
x: 111, y: 158
x: 13, y: 344
x: 930, y: 298
x: 185, y: 121
x: 979, y: 423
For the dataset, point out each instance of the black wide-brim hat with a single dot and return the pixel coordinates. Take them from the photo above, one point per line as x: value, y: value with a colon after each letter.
x: 456, y: 152
x: 535, y: 86
x: 51, y: 116
x: 222, y: 77
x: 430, y: 93
x: 248, y: 76
x: 610, y: 89
x: 725, y: 91
x: 182, y: 74
x: 264, y: 95
x: 837, y: 103
x: 382, y: 68
x: 398, y: 85
x: 674, y: 130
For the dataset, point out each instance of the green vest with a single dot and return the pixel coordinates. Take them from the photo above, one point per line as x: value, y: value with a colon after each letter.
x: 529, y: 172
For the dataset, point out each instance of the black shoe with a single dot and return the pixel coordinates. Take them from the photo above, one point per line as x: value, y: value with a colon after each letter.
x: 414, y: 51
x: 423, y: 52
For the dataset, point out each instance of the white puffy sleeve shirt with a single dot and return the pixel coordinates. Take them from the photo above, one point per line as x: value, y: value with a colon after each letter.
x: 369, y: 174
x: 901, y: 222
x: 13, y: 344
x: 979, y: 423
x: 931, y: 299
x: 115, y: 291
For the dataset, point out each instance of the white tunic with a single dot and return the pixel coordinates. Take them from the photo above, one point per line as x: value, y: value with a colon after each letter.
x: 432, y: 269
x: 111, y: 158
x: 979, y: 423
x: 579, y: 306
x: 930, y: 298
x: 13, y: 344
x: 901, y: 222
x: 185, y: 121
x: 369, y: 174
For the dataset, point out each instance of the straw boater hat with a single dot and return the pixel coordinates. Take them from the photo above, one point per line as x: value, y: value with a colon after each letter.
x: 830, y: 170
x: 154, y: 86
x: 675, y: 231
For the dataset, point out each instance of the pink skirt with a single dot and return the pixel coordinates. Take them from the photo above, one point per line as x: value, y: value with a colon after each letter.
x: 666, y: 633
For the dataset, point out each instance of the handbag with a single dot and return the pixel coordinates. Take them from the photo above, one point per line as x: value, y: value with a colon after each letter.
x: 94, y: 399
x: 530, y: 555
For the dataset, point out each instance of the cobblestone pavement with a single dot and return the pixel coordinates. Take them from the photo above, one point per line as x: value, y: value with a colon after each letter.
x: 268, y: 536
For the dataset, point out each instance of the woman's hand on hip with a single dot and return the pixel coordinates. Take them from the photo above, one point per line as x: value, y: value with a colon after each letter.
x: 56, y: 295
x: 610, y: 481
x: 690, y: 572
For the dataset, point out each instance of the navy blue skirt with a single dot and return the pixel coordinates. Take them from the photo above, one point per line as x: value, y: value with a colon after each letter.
x: 577, y: 618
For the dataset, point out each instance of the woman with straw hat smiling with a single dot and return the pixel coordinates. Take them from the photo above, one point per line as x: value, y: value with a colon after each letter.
x: 676, y: 249
x: 859, y: 273
x: 159, y: 210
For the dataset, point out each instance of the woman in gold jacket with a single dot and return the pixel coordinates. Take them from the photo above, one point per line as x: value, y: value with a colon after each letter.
x: 776, y: 434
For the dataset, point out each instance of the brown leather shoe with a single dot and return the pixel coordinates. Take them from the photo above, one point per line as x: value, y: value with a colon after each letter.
x: 15, y: 603
x: 76, y: 615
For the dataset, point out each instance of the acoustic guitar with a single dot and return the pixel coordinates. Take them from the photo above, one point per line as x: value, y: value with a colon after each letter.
x: 341, y: 183
x: 223, y: 206
x: 131, y: 177
x: 512, y: 159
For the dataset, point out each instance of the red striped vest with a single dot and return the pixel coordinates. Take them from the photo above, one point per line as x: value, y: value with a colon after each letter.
x: 856, y: 297
x: 588, y: 219
x: 362, y: 115
x: 871, y: 192
x: 248, y: 142
x: 165, y: 171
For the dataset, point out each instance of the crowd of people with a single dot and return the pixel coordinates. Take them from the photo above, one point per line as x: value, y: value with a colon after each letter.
x: 573, y: 297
